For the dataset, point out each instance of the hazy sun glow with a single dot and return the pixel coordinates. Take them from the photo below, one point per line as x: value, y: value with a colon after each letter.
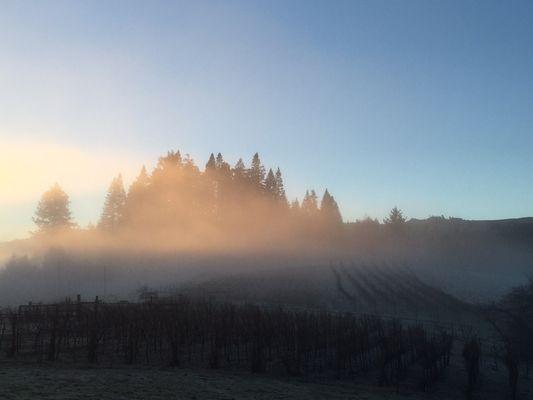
x: 28, y: 168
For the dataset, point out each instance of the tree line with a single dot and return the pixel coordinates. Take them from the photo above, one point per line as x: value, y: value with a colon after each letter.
x: 177, y: 195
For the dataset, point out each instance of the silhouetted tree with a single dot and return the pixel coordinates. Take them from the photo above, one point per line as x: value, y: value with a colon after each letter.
x: 295, y: 206
x: 256, y: 173
x: 310, y: 204
x: 114, y: 206
x: 239, y: 171
x: 396, y: 220
x: 270, y: 185
x: 211, y: 164
x: 53, y: 212
x: 140, y: 185
x: 282, y: 197
x: 222, y: 165
x: 166, y: 196
x: 137, y: 198
x: 173, y: 159
x: 329, y: 210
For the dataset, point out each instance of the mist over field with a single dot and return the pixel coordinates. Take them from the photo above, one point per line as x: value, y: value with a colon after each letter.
x: 179, y: 226
x: 248, y: 199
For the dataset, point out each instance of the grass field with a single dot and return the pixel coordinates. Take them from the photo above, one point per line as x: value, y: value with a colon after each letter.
x: 22, y: 381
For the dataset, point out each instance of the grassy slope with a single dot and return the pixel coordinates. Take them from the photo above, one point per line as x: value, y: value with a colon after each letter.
x: 19, y: 381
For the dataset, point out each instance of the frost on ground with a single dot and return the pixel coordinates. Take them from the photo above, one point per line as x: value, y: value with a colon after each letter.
x: 59, y: 383
x: 22, y: 381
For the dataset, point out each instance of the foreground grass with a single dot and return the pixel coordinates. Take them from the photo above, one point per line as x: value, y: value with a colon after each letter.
x: 22, y: 381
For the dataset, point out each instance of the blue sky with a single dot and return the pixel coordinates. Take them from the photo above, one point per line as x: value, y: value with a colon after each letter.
x: 426, y: 105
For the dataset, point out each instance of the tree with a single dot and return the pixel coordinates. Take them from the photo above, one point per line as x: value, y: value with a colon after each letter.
x: 53, y: 212
x: 211, y: 164
x: 395, y: 217
x: 171, y: 160
x: 239, y: 170
x: 137, y: 198
x: 270, y: 185
x: 140, y: 185
x: 113, y: 211
x: 396, y: 220
x: 329, y: 209
x: 282, y: 197
x: 256, y: 173
x: 295, y: 208
x: 309, y: 204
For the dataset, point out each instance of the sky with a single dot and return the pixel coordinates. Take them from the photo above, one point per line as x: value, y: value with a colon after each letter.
x: 424, y: 105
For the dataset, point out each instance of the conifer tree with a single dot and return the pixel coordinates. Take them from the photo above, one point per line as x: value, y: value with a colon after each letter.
x: 256, y: 173
x: 395, y: 217
x: 270, y: 185
x: 173, y: 159
x: 282, y: 197
x: 295, y: 206
x: 310, y: 204
x: 211, y: 164
x: 115, y: 201
x: 140, y: 184
x: 239, y: 172
x: 53, y: 212
x: 219, y: 161
x: 329, y: 209
x: 137, y: 198
x: 396, y: 221
x: 189, y: 167
x: 222, y: 166
x: 166, y: 175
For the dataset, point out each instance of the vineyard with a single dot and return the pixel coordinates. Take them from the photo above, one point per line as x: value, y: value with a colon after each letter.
x: 206, y: 334
x: 377, y: 289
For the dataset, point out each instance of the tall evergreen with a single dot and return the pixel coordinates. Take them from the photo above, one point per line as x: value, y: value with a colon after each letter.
x: 310, y: 204
x: 173, y: 159
x: 137, y: 197
x: 115, y: 201
x: 295, y: 206
x: 239, y: 171
x: 329, y: 209
x: 140, y: 184
x: 396, y: 220
x: 53, y: 211
x: 256, y: 173
x: 270, y: 185
x: 211, y: 164
x: 282, y: 197
x: 222, y: 166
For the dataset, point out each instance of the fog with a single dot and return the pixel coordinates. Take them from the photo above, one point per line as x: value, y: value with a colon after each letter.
x: 182, y: 229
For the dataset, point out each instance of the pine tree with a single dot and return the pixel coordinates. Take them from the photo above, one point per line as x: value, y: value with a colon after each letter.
x: 189, y: 166
x: 137, y: 198
x: 171, y: 160
x: 256, y: 173
x: 219, y: 162
x: 53, y: 212
x: 211, y: 164
x: 396, y: 220
x: 222, y: 166
x: 140, y: 184
x: 270, y: 185
x: 239, y: 171
x: 295, y: 206
x: 113, y: 211
x: 282, y: 197
x: 309, y: 204
x: 329, y: 209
